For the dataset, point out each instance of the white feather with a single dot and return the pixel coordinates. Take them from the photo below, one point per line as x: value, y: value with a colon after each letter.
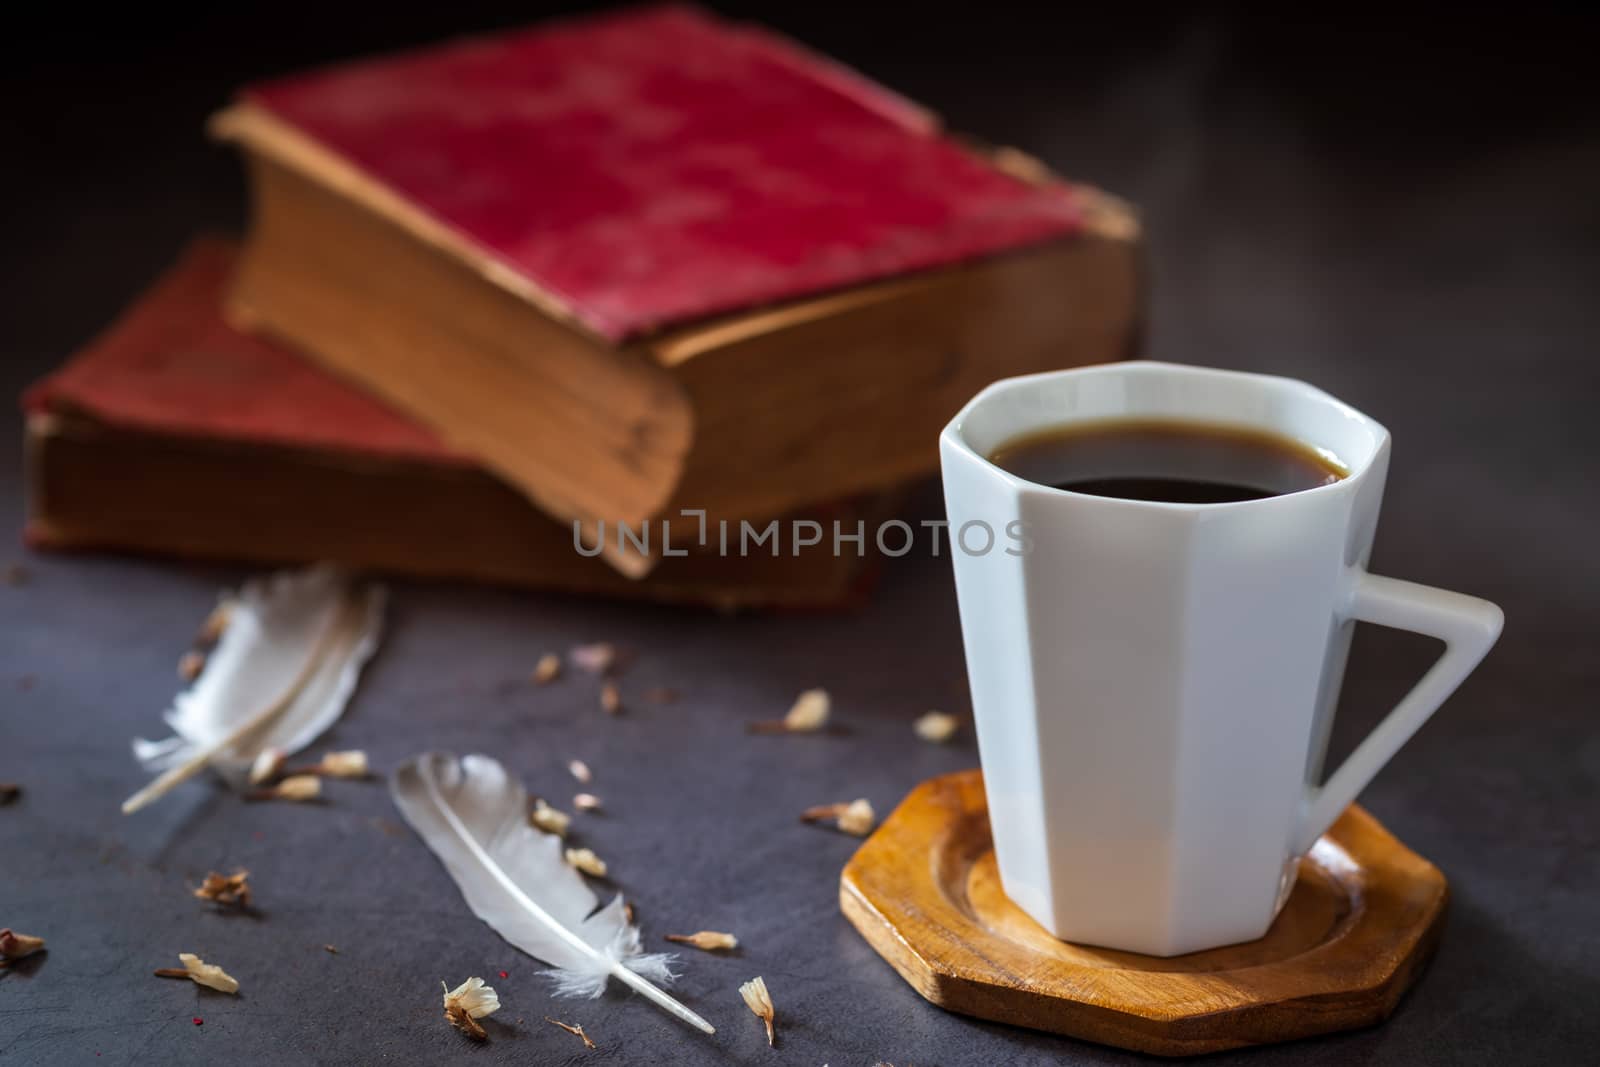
x: 298, y: 638
x: 474, y: 817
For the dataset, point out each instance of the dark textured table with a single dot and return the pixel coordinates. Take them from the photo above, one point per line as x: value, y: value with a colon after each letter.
x: 1407, y: 219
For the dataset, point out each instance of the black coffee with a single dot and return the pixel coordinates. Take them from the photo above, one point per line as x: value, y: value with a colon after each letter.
x: 1167, y: 460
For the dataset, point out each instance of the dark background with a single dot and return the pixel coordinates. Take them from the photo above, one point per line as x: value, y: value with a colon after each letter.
x: 1401, y: 208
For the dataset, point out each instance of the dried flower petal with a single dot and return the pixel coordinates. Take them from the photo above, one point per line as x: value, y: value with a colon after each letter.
x: 856, y: 817
x: 467, y: 1003
x: 575, y: 1031
x: 349, y: 764
x: 201, y: 973
x: 610, y: 699
x: 190, y: 664
x: 9, y: 791
x: 547, y: 670
x: 586, y: 802
x: 586, y: 861
x: 14, y: 574
x: 937, y: 726
x: 661, y: 694
x: 810, y: 711
x: 211, y: 630
x: 580, y: 771
x: 474, y: 997
x: 598, y: 658
x: 330, y: 950
x: 808, y: 715
x: 233, y: 889
x: 706, y: 940
x: 299, y: 787
x: 548, y: 819
x: 14, y: 946
x: 759, y: 1001
x: 268, y: 765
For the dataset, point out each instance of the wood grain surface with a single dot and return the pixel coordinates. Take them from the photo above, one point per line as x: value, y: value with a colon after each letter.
x: 1355, y: 933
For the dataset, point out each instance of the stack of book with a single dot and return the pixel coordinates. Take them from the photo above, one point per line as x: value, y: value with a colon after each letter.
x: 509, y: 303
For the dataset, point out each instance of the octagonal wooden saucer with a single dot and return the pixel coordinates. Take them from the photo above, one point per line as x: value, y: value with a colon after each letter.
x: 1362, y: 920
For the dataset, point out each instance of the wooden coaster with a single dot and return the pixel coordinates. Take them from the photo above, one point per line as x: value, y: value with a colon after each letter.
x: 1361, y: 922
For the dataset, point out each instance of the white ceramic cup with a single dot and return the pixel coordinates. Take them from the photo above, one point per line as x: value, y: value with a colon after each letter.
x: 1153, y: 683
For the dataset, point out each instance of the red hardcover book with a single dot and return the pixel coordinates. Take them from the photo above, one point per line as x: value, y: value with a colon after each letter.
x: 654, y: 261
x: 173, y: 433
x: 659, y: 165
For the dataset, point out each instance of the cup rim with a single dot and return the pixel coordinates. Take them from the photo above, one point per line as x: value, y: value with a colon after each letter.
x: 953, y: 435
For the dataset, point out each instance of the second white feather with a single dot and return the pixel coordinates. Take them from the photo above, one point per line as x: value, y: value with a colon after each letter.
x: 474, y: 817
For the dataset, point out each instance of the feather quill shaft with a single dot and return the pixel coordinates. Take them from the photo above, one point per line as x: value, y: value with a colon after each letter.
x: 497, y: 808
x: 316, y: 692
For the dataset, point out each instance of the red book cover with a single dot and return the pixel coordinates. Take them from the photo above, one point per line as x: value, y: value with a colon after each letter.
x: 660, y: 165
x: 170, y: 365
x: 173, y: 433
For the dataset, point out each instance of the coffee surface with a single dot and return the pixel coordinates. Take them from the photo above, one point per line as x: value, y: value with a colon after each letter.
x: 1169, y: 460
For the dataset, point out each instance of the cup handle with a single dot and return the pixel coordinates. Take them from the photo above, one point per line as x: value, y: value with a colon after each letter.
x: 1468, y: 627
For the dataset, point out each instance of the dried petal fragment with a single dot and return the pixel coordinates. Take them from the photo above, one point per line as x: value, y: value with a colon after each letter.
x: 211, y: 630
x: 586, y: 802
x: 298, y: 787
x: 598, y: 658
x: 855, y: 818
x: 550, y: 820
x: 467, y: 1003
x: 706, y: 940
x: 937, y: 726
x: 586, y: 861
x: 810, y: 711
x: 14, y: 574
x: 9, y: 791
x: 580, y: 771
x: 348, y: 764
x: 232, y: 889
x: 759, y: 1001
x: 474, y: 996
x: 14, y: 946
x: 808, y: 715
x: 268, y: 765
x: 610, y: 699
x: 575, y: 1031
x: 661, y: 694
x: 190, y: 664
x: 351, y: 763
x: 201, y: 973
x: 547, y: 670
